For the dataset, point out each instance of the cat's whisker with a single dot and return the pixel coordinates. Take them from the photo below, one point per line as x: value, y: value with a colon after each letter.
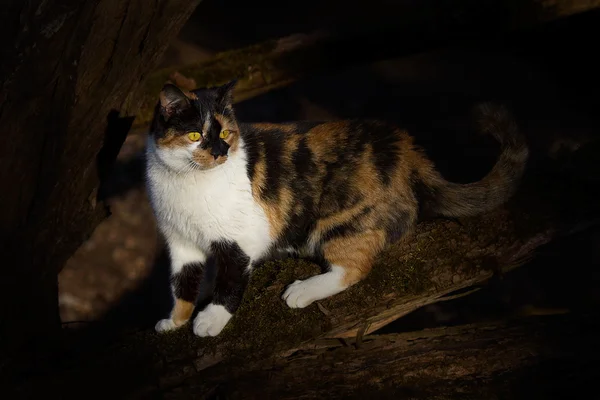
x: 186, y: 171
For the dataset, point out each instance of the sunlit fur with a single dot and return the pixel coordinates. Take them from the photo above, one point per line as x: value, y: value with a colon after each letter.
x: 337, y: 192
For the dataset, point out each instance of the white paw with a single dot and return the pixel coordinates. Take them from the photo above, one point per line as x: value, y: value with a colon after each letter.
x: 299, y: 294
x: 211, y: 320
x: 165, y: 325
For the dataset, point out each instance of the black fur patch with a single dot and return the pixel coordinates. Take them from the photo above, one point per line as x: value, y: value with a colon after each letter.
x: 186, y: 283
x: 341, y: 230
x: 184, y: 120
x: 251, y: 145
x: 273, y: 145
x: 218, y: 147
x: 425, y: 195
x: 303, y: 160
x: 338, y: 192
x: 300, y: 224
x: 348, y: 228
x: 397, y: 226
x: 384, y: 142
x: 232, y: 276
x: 302, y: 220
x: 385, y: 150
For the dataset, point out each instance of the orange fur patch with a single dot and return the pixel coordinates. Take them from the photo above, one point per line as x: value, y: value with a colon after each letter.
x: 356, y: 254
x: 233, y: 139
x: 182, y: 311
x: 266, y: 126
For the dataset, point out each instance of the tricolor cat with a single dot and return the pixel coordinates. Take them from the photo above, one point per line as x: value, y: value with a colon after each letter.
x: 337, y: 192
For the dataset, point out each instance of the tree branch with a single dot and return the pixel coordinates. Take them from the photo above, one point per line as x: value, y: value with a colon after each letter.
x: 273, y: 64
x: 443, y: 260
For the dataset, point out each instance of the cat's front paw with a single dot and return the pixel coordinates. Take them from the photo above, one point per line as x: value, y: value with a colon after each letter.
x: 211, y: 320
x: 165, y: 325
x: 299, y: 294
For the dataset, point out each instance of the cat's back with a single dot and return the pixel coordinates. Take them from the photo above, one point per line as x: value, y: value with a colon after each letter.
x: 305, y: 147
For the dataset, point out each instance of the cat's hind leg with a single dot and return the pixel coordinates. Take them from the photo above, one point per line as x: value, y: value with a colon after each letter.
x: 349, y: 259
x: 187, y: 269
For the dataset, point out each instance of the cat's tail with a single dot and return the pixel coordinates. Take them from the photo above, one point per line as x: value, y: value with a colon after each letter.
x: 449, y: 199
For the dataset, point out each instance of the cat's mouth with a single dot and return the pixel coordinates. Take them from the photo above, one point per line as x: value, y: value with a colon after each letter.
x: 205, y: 160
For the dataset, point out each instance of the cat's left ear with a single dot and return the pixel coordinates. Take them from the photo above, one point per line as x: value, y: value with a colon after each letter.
x: 172, y: 100
x: 225, y: 92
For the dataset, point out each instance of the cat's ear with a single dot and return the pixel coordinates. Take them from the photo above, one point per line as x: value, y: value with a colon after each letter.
x: 225, y: 92
x: 172, y: 100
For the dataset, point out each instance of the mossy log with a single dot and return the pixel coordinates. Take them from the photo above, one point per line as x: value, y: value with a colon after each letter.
x: 520, y: 359
x: 442, y: 261
x: 425, y: 25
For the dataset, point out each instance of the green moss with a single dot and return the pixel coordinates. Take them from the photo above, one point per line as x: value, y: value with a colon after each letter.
x: 264, y: 321
x: 264, y: 324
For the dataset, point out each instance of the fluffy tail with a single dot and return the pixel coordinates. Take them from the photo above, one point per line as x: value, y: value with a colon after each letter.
x: 461, y: 200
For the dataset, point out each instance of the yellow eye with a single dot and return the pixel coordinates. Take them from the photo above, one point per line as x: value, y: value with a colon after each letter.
x: 224, y: 134
x: 194, y: 136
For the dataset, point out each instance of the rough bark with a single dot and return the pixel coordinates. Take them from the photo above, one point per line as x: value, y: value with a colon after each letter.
x: 428, y: 24
x: 517, y: 360
x: 69, y: 77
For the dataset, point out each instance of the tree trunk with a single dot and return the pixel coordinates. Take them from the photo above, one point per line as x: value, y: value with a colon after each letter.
x: 70, y: 73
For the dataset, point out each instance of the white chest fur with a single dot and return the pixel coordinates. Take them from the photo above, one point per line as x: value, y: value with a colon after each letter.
x: 207, y: 206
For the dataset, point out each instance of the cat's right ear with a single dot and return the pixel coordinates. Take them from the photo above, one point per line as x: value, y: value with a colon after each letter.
x: 172, y: 100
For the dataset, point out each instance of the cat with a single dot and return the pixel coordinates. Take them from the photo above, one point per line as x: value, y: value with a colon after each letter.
x: 337, y: 192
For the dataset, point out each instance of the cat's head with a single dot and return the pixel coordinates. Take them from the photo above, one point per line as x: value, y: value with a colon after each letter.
x: 197, y: 129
